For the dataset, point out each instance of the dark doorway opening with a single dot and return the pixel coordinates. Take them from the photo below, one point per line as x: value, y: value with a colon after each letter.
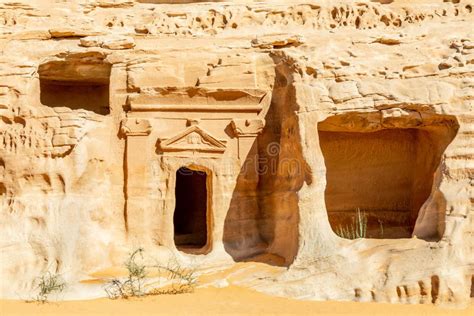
x: 190, y: 215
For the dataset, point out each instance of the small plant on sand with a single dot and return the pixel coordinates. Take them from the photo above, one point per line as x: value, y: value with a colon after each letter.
x: 356, y: 229
x: 48, y: 284
x: 381, y: 228
x: 133, y: 285
x: 182, y: 280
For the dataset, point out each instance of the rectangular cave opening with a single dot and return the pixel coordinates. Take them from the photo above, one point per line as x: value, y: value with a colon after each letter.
x: 190, y: 217
x: 88, y: 96
x: 384, y: 174
x: 76, y: 85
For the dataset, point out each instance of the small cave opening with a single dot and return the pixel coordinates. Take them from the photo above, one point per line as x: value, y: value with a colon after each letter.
x: 472, y: 285
x: 3, y: 190
x: 76, y: 85
x: 190, y: 217
x: 380, y: 177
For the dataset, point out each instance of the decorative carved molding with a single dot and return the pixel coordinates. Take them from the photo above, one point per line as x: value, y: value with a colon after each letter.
x: 198, y: 99
x: 247, y: 127
x: 135, y: 127
x: 193, y: 139
x: 195, y: 108
x: 192, y: 122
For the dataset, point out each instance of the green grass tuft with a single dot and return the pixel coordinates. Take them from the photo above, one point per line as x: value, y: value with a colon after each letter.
x: 48, y: 284
x: 183, y: 280
x: 356, y: 229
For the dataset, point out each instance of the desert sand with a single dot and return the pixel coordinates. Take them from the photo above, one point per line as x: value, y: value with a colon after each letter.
x: 208, y: 299
x: 213, y: 301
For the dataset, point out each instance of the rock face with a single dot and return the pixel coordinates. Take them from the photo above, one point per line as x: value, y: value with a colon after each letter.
x: 223, y: 132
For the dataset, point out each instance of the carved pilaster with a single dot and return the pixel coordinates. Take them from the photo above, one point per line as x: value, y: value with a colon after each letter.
x: 247, y: 128
x: 135, y: 127
x: 246, y: 131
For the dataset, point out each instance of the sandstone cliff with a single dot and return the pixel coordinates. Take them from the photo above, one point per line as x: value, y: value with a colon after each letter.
x: 291, y: 114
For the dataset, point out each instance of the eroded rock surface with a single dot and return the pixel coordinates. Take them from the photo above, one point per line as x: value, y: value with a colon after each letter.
x: 217, y: 132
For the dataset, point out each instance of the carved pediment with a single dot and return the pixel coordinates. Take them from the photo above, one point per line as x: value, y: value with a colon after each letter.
x: 193, y: 139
